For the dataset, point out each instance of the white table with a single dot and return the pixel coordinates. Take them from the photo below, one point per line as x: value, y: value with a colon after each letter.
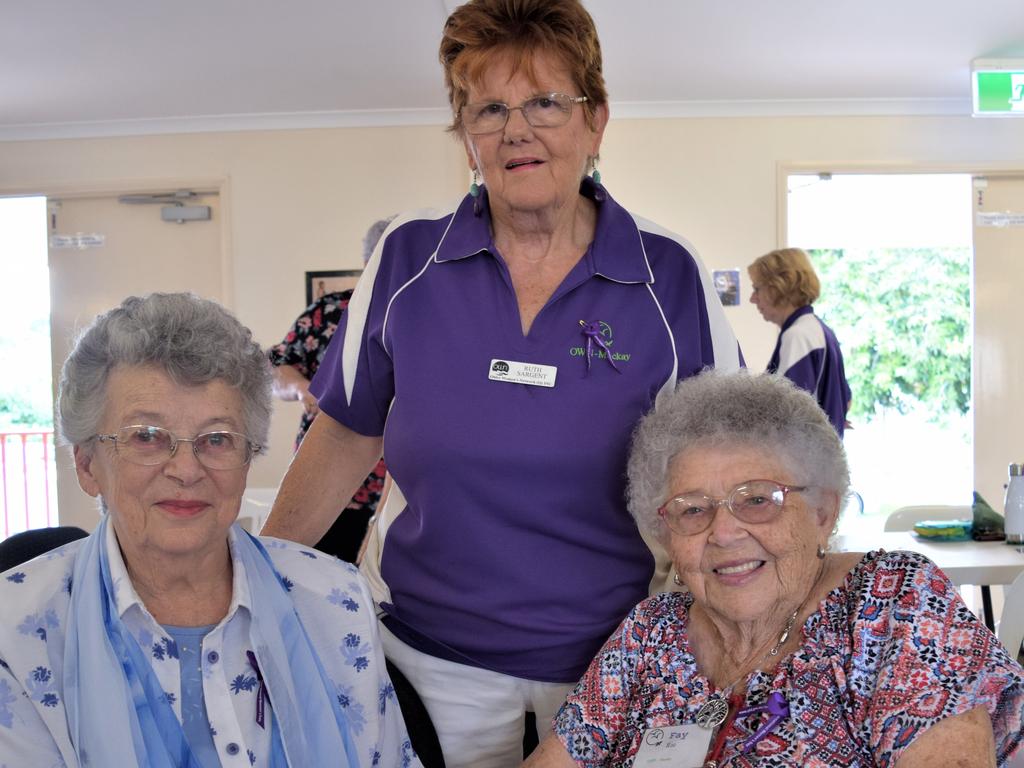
x: 980, y: 563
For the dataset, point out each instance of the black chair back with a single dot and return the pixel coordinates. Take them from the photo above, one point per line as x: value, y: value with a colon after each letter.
x: 22, y: 547
x: 417, y: 720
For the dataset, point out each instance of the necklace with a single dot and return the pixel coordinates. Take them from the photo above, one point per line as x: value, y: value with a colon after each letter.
x: 714, y: 712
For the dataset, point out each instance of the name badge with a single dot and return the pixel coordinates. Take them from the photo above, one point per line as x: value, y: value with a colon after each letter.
x: 522, y: 373
x: 674, y: 746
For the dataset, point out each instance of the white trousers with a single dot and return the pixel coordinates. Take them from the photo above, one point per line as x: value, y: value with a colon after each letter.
x: 478, y: 714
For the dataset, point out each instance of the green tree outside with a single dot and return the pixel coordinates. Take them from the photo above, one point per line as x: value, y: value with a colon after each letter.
x: 902, y: 316
x: 18, y: 413
x: 25, y: 390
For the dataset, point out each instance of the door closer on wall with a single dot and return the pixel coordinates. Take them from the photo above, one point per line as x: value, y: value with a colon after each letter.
x: 175, y: 205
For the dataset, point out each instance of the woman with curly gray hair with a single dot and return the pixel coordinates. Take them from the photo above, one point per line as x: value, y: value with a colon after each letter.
x: 777, y: 651
x: 171, y: 637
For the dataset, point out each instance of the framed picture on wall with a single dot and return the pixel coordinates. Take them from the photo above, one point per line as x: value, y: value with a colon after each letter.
x: 727, y: 286
x: 330, y: 281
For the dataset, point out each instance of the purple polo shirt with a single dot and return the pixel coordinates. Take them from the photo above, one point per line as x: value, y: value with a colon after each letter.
x: 807, y: 353
x: 515, y: 551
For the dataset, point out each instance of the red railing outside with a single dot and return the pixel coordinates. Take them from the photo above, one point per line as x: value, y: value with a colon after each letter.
x: 29, y: 477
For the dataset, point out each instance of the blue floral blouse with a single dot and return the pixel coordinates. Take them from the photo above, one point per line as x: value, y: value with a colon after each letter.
x: 330, y: 597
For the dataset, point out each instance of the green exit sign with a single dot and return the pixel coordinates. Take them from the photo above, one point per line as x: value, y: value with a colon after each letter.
x: 998, y: 88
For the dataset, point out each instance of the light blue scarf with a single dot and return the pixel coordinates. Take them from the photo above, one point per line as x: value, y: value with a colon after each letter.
x: 116, y: 707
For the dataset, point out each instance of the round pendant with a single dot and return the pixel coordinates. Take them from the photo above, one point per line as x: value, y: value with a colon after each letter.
x: 713, y: 713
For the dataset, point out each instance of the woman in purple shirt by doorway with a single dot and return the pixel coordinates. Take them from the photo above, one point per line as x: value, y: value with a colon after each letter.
x: 807, y: 351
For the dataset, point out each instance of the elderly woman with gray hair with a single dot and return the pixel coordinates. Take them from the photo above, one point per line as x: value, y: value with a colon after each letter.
x: 779, y: 652
x: 171, y: 637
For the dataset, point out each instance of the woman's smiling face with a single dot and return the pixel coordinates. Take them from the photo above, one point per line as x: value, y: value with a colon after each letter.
x: 746, y: 572
x: 179, y: 508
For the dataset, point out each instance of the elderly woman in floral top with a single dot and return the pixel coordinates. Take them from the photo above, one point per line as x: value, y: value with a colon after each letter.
x: 779, y: 652
x: 170, y: 637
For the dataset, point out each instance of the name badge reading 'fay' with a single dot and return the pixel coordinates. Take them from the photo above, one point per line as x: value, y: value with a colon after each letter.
x: 674, y: 746
x: 522, y: 373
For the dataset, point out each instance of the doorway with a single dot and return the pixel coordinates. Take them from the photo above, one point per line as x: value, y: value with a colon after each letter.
x: 28, y: 497
x: 894, y: 254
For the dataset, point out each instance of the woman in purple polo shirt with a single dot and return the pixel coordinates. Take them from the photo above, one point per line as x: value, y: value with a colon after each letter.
x: 807, y: 351
x: 503, y: 349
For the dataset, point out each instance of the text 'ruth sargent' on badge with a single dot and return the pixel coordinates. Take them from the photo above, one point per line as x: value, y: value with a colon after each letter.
x: 533, y: 374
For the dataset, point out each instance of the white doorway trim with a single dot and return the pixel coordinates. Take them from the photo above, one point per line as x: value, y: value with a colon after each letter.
x: 784, y: 169
x: 220, y: 186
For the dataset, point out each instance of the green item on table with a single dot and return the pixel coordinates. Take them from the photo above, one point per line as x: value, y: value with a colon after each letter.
x: 988, y: 524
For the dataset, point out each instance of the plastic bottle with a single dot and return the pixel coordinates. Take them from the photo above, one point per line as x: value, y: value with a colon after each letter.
x: 1014, y: 505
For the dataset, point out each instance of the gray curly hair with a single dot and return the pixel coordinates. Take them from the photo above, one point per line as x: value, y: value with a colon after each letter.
x: 373, y: 234
x: 194, y: 340
x: 716, y: 409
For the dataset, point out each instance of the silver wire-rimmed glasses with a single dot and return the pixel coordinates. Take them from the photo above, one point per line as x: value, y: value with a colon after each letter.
x: 755, y: 501
x: 546, y: 110
x: 148, y: 446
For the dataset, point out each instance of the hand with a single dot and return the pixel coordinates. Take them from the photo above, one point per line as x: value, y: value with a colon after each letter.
x: 290, y: 384
x: 309, y: 403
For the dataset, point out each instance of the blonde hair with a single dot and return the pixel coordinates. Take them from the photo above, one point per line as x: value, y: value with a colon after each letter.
x: 787, y: 275
x: 481, y: 30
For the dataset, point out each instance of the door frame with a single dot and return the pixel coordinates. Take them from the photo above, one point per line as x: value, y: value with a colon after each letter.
x: 785, y: 168
x: 220, y: 186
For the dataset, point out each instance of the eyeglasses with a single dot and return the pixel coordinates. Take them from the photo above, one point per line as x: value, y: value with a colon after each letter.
x: 149, y: 446
x: 548, y: 110
x: 755, y: 501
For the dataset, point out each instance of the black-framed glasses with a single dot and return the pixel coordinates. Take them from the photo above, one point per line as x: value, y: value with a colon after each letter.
x: 755, y: 501
x: 546, y: 110
x: 148, y: 446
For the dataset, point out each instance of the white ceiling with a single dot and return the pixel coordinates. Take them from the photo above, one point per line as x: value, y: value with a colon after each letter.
x: 72, y: 68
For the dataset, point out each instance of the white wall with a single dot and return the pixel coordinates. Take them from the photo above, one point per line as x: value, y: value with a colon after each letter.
x: 298, y: 200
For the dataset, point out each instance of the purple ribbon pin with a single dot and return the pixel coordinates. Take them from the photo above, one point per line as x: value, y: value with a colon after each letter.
x: 262, y: 697
x: 593, y: 333
x: 778, y: 710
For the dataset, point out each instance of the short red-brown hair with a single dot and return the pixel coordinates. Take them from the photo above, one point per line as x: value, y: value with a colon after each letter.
x: 481, y: 29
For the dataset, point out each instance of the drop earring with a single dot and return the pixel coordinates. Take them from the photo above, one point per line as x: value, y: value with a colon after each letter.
x: 595, y: 174
x: 474, y: 192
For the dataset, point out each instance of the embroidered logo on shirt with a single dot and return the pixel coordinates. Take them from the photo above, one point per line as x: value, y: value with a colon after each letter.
x: 599, y: 351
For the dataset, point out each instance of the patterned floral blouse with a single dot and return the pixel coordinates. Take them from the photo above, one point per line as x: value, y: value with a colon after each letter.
x: 887, y: 654
x: 329, y: 596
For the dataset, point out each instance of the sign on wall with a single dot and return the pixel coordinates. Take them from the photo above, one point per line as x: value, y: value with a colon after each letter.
x: 998, y: 88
